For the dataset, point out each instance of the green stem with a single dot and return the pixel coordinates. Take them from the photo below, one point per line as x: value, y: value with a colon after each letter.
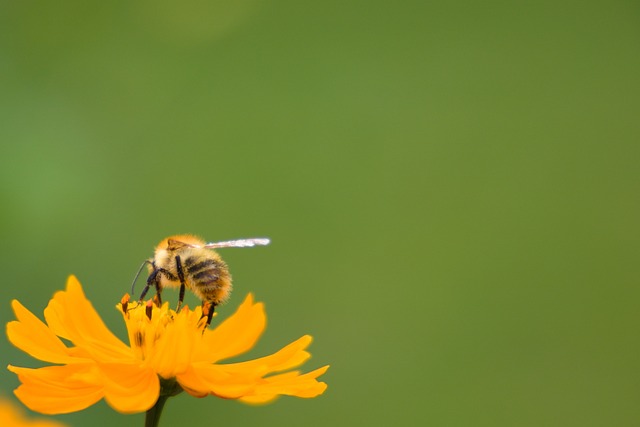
x: 168, y: 388
x: 152, y: 418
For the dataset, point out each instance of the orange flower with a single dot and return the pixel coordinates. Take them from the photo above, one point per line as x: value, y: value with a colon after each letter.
x: 165, y: 348
x: 10, y: 416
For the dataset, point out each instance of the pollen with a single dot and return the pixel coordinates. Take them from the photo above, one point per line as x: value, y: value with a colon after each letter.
x: 124, y: 302
x: 149, y: 309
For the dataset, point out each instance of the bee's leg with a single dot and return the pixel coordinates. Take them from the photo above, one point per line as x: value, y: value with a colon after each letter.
x: 182, y: 282
x: 158, y: 290
x: 144, y: 292
x: 154, y: 279
x: 211, y: 308
x: 151, y: 280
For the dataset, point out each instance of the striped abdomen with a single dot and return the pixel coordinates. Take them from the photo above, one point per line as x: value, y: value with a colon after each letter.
x: 208, y: 278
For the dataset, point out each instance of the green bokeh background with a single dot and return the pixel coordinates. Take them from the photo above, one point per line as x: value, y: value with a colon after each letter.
x: 452, y: 191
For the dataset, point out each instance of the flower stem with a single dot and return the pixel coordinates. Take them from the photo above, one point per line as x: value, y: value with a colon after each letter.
x: 152, y: 418
x: 168, y: 388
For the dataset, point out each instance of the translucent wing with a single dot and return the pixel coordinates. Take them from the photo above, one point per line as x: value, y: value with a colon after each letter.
x: 242, y: 243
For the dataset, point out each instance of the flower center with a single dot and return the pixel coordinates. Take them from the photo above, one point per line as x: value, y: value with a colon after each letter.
x: 146, y: 323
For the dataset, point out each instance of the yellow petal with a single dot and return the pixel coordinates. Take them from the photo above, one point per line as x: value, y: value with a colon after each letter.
x: 203, y: 379
x: 32, y: 336
x: 236, y: 335
x: 70, y: 315
x: 59, y: 389
x: 129, y: 389
x: 288, y: 357
x: 291, y: 384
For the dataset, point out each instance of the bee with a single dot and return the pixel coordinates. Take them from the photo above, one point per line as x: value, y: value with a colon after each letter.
x: 186, y: 261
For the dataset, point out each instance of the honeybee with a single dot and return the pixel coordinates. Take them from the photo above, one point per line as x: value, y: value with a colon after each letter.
x: 186, y: 261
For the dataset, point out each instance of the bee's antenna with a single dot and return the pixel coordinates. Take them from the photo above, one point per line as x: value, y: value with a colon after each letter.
x: 146, y: 261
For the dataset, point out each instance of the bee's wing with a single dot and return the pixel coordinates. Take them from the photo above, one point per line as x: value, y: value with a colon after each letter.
x: 242, y: 243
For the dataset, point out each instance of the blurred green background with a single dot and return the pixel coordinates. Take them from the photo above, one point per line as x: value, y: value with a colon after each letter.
x: 452, y: 191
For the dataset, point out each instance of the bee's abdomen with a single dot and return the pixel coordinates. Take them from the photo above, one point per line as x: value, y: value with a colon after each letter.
x: 205, y: 277
x: 194, y: 266
x: 209, y: 278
